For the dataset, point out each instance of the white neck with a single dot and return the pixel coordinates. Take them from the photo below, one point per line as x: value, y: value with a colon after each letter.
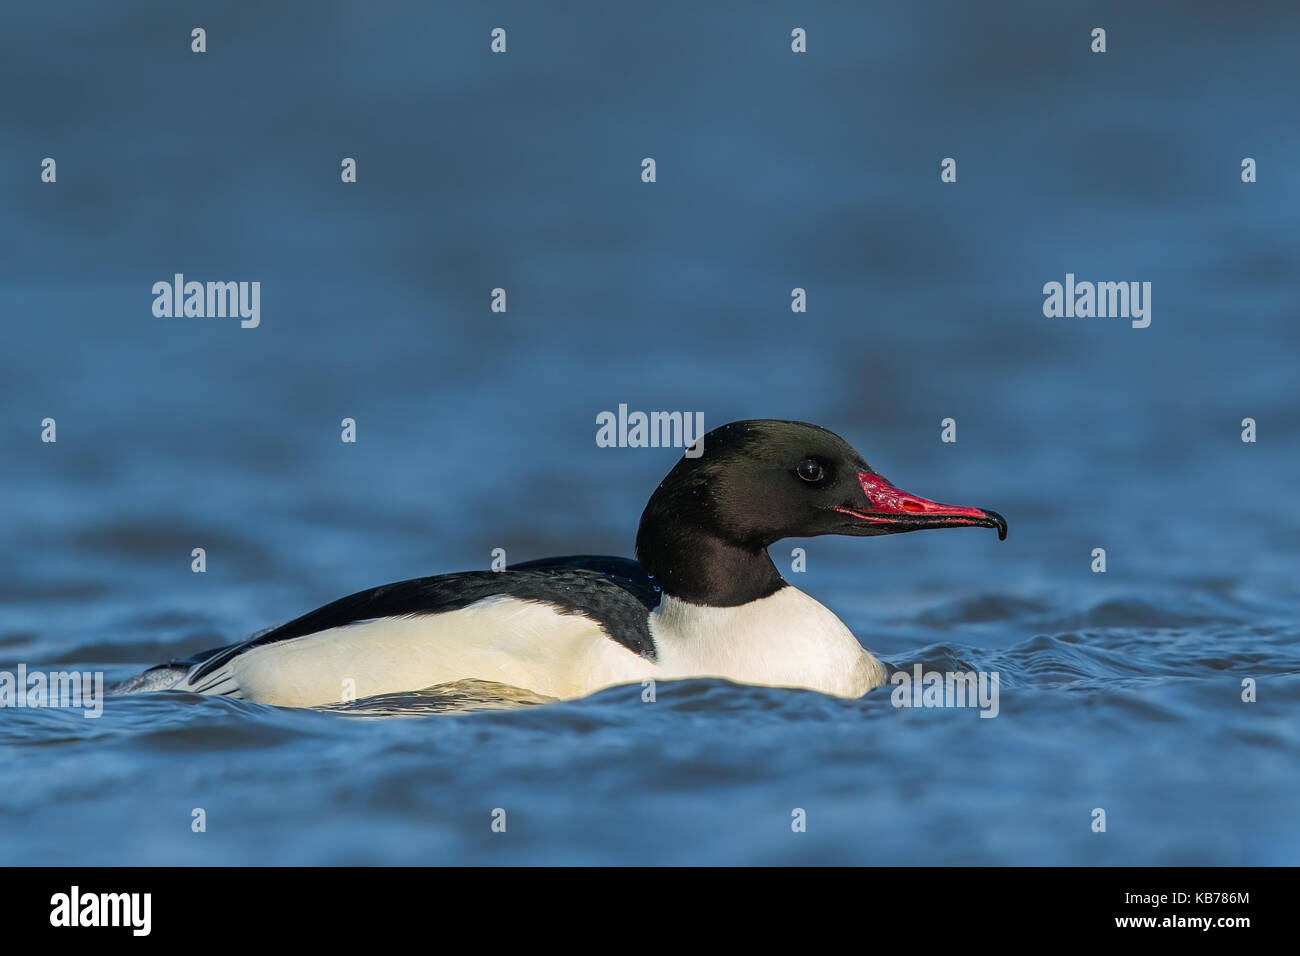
x: 786, y: 639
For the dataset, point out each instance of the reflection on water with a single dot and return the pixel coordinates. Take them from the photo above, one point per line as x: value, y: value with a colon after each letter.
x: 457, y: 697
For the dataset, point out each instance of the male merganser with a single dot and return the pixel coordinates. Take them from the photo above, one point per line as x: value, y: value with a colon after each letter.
x: 705, y: 599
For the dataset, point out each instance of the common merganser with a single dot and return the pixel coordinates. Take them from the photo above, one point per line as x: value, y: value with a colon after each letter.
x: 705, y: 599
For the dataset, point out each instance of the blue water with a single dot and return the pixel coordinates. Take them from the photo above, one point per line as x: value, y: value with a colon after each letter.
x: 1120, y: 691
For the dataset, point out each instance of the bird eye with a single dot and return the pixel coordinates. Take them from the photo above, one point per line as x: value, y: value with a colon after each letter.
x: 810, y: 470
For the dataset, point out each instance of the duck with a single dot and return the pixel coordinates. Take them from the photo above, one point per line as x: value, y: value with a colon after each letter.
x: 702, y: 599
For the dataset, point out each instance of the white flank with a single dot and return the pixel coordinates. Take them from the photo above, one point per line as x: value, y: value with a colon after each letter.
x: 784, y: 640
x: 500, y: 639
